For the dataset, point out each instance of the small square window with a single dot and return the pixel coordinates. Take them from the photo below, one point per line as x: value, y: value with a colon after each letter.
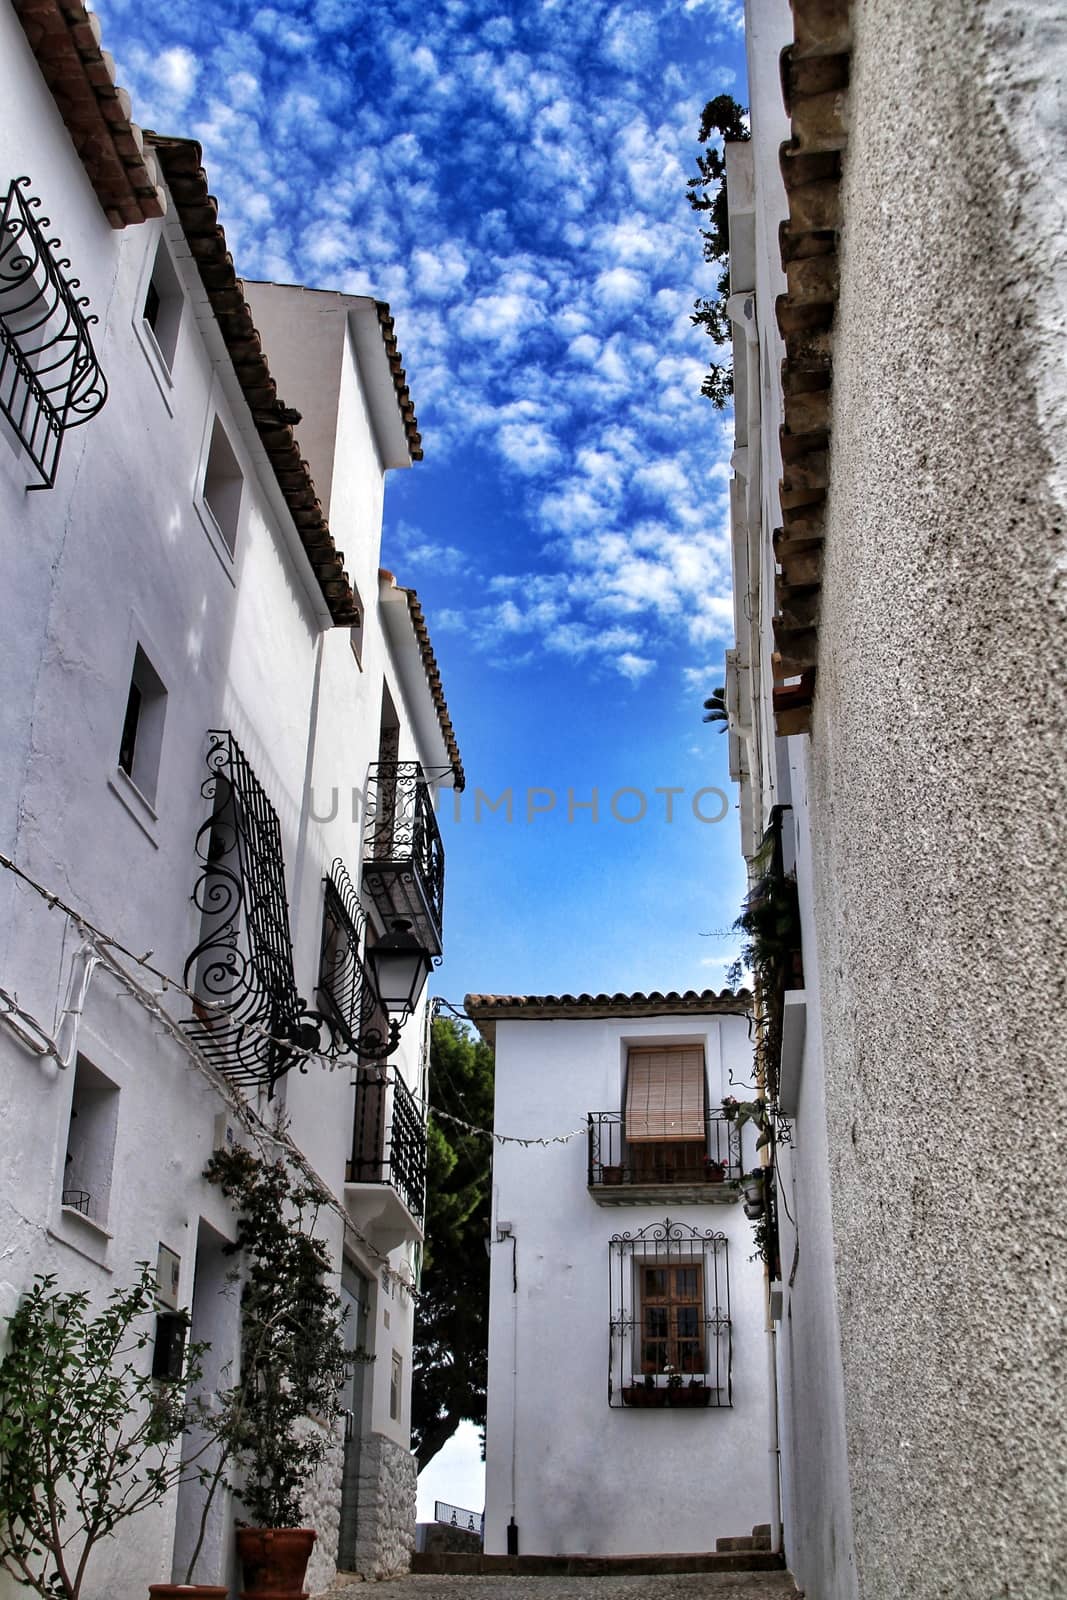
x: 90, y: 1150
x: 223, y: 483
x: 141, y: 742
x: 163, y: 303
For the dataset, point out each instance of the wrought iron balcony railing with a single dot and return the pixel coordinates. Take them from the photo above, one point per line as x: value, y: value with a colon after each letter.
x: 49, y: 376
x: 616, y: 1161
x: 403, y: 857
x: 389, y: 1143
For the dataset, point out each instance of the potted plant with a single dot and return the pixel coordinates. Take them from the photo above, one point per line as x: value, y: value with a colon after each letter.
x: 714, y: 1171
x: 87, y: 1434
x: 752, y: 1187
x: 293, y: 1363
x: 611, y: 1174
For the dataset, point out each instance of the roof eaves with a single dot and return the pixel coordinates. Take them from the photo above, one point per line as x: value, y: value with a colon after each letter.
x: 396, y: 367
x: 815, y: 79
x: 197, y: 210
x: 65, y: 39
x: 486, y: 1010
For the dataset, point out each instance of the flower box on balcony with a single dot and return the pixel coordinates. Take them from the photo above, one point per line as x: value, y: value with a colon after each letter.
x: 686, y: 1394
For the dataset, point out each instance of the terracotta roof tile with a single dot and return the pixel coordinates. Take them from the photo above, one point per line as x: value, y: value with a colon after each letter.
x: 65, y: 39
x: 523, y: 1007
x: 396, y: 367
x: 181, y: 161
x: 815, y: 77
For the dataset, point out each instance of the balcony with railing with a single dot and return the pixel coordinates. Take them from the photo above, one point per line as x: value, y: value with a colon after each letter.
x: 403, y: 856
x: 692, y: 1171
x: 385, y: 1179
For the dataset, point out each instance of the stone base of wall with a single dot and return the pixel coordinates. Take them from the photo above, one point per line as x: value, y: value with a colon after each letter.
x: 385, y: 1533
x: 322, y: 1510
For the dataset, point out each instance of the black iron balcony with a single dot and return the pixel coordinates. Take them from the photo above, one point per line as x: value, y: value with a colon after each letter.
x: 50, y: 379
x: 403, y: 857
x: 622, y: 1170
x: 389, y: 1155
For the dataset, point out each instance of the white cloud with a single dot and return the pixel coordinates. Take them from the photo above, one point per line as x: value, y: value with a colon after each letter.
x: 620, y: 286
x: 634, y: 667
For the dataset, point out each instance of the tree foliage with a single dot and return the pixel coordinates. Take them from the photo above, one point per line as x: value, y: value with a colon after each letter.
x: 451, y: 1329
x: 87, y: 1436
x: 707, y: 193
x: 293, y: 1357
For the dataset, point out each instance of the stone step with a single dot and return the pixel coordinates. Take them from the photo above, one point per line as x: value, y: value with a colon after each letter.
x: 736, y: 1541
x: 452, y: 1563
x: 762, y: 1530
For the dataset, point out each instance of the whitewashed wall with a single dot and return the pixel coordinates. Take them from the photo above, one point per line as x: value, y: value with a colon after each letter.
x: 580, y: 1477
x: 117, y: 555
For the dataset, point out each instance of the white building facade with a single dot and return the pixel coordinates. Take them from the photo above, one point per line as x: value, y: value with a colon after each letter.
x: 219, y: 741
x: 627, y: 1409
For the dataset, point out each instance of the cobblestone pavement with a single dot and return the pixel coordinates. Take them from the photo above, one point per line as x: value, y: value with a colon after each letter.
x: 645, y: 1586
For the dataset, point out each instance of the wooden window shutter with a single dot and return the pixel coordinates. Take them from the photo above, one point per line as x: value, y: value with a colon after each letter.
x: 665, y: 1094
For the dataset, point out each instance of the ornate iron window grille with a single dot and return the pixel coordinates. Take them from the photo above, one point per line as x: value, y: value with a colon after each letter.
x: 248, y: 1014
x: 664, y: 1247
x: 613, y: 1160
x: 389, y: 1143
x: 50, y: 379
x: 403, y: 842
x: 347, y: 996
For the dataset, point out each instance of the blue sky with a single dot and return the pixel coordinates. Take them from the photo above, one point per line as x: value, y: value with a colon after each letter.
x: 511, y: 178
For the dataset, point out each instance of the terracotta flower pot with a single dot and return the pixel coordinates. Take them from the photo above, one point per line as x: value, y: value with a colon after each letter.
x: 187, y: 1591
x: 274, y: 1560
x: 611, y: 1174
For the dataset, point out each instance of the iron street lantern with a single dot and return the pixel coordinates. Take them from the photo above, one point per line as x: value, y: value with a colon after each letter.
x: 399, y: 968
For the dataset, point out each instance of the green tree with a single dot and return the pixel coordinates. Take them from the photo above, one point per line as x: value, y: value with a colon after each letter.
x: 451, y: 1329
x: 87, y: 1435
x: 707, y: 193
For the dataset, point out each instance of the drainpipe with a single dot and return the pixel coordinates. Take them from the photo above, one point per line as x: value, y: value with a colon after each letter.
x: 505, y: 1232
x: 775, y: 1447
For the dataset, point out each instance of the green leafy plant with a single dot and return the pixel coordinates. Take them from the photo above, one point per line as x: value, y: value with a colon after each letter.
x: 754, y: 1111
x: 86, y: 1433
x: 293, y: 1357
x: 715, y: 708
x: 707, y: 193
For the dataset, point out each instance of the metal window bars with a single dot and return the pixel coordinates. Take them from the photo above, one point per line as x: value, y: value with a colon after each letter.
x: 347, y: 996
x: 248, y: 1014
x: 696, y: 1327
x: 50, y: 379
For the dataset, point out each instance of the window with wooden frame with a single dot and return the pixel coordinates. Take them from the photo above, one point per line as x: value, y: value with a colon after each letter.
x: 671, y: 1339
x: 665, y: 1118
x: 672, y: 1317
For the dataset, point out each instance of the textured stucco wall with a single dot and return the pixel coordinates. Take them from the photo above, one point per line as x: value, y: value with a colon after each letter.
x: 938, y: 780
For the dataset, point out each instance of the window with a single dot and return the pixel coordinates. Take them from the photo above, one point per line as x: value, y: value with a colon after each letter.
x: 665, y: 1123
x: 396, y: 1385
x: 670, y: 1330
x: 672, y: 1317
x: 163, y: 302
x: 141, y: 741
x: 223, y: 481
x: 90, y: 1150
x: 242, y: 966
